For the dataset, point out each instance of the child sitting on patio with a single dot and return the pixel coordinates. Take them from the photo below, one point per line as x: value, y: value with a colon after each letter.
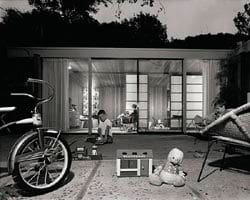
x: 104, y: 128
x: 220, y: 110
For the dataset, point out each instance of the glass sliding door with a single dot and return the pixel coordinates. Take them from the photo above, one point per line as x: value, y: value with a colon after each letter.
x: 114, y: 83
x: 163, y: 107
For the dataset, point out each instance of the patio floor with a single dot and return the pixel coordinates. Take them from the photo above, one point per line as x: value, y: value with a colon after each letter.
x: 97, y: 179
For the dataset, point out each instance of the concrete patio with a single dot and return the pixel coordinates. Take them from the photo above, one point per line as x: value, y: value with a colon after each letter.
x: 96, y: 179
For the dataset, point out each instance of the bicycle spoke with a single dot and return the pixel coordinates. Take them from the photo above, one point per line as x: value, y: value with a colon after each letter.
x: 36, y: 174
x: 46, y: 174
x: 30, y: 149
x: 60, y: 159
x: 59, y: 152
x: 39, y: 171
x: 50, y: 144
x: 28, y: 171
x: 30, y: 156
x: 32, y: 177
x: 37, y: 145
x: 56, y: 146
x: 37, y: 179
x: 50, y: 176
x: 56, y: 140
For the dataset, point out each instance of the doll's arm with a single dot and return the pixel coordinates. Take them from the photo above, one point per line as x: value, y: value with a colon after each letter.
x: 182, y: 172
x: 158, y: 169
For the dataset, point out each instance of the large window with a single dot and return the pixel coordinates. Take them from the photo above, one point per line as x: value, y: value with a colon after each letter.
x: 162, y: 96
x: 155, y: 86
x: 116, y: 82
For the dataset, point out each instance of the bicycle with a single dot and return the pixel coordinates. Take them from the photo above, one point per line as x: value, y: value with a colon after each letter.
x: 40, y: 160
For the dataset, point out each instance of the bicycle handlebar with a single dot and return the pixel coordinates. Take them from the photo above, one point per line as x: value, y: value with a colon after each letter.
x: 39, y: 100
x: 32, y: 80
x: 22, y: 94
x: 50, y: 97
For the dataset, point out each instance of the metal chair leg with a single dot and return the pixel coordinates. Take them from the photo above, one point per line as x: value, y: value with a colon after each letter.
x: 223, y: 158
x: 204, y: 162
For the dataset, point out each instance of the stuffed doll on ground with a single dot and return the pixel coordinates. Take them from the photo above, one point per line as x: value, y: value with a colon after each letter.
x: 170, y: 172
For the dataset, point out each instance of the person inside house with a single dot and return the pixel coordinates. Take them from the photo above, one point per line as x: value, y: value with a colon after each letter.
x: 104, y: 128
x: 134, y: 116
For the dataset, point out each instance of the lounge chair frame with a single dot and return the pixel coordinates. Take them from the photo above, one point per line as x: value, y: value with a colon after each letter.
x: 240, y: 138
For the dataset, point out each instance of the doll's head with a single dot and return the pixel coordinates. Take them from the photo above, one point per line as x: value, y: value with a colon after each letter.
x: 175, y: 156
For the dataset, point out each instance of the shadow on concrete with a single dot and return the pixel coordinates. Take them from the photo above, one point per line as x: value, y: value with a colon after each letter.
x: 15, y: 191
x: 208, y: 174
x: 237, y: 163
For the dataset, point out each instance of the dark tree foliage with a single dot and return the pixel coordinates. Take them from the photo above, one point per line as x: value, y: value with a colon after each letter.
x: 44, y: 27
x: 48, y: 28
x: 147, y: 30
x: 33, y: 27
x: 208, y: 41
x: 143, y: 30
x: 242, y: 21
x: 227, y: 78
x: 80, y: 8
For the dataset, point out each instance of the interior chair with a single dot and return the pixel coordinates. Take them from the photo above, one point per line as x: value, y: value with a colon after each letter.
x: 231, y: 129
x: 127, y: 123
x: 197, y: 122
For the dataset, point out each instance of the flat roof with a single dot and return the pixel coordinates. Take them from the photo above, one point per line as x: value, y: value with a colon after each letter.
x: 130, y: 53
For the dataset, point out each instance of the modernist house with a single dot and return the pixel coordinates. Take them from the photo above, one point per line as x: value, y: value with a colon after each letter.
x: 169, y: 86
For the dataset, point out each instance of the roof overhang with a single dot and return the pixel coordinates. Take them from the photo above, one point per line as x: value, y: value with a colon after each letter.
x: 130, y: 53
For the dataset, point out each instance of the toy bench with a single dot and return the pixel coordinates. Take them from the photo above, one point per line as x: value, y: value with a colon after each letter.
x: 134, y: 162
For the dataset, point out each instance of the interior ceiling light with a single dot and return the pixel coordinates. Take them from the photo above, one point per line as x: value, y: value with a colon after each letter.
x: 69, y: 67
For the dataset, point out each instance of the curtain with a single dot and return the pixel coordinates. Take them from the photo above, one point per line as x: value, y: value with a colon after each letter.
x: 211, y: 89
x: 55, y: 113
x: 112, y: 100
x: 76, y: 92
x: 158, y: 103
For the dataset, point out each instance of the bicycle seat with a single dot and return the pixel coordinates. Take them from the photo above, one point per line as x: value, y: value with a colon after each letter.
x: 7, y: 109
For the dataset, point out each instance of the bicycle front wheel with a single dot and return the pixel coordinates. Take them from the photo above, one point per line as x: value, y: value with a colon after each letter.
x: 49, y: 170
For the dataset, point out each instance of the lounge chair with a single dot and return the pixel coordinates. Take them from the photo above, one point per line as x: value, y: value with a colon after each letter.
x: 233, y: 128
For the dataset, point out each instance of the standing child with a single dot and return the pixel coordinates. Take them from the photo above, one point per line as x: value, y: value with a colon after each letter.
x: 134, y: 116
x: 104, y: 128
